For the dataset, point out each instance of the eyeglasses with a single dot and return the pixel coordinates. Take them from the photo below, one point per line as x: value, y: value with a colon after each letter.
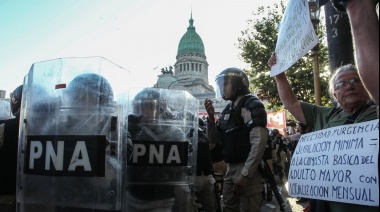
x: 343, y: 84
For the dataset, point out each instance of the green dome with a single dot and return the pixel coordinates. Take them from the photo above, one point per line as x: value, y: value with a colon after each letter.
x: 191, y: 42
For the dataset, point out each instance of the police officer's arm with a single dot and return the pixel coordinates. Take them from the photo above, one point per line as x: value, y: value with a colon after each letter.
x: 258, y: 137
x: 286, y: 93
x: 212, y: 131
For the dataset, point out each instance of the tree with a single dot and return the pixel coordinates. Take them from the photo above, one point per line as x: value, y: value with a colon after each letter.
x: 259, y: 41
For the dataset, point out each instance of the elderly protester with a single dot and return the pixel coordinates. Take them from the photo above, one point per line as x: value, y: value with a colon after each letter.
x: 353, y: 106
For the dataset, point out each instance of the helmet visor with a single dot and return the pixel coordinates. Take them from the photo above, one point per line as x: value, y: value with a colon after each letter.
x: 224, y: 88
x: 150, y: 109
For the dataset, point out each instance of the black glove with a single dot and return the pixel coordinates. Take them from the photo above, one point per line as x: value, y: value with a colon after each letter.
x: 190, y: 134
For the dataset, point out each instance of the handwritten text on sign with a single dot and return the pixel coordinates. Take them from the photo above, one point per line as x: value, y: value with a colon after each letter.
x: 338, y: 164
x: 296, y: 35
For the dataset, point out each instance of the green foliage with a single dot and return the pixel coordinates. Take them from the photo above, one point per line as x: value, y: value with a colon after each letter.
x: 257, y: 44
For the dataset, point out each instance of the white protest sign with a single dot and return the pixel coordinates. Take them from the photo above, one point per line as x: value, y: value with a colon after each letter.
x: 296, y: 36
x: 338, y: 164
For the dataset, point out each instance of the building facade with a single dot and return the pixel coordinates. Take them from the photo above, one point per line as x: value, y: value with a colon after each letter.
x: 191, y: 71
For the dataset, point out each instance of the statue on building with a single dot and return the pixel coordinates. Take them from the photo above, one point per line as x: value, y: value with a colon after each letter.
x: 166, y: 71
x: 171, y: 70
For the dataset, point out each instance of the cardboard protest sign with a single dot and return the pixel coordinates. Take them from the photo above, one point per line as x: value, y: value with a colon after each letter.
x: 296, y: 35
x: 338, y: 164
x: 277, y: 121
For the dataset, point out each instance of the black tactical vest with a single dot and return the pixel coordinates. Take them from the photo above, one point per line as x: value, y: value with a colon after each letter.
x: 235, y: 134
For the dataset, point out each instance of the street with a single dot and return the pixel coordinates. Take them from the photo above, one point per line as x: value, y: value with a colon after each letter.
x: 291, y: 205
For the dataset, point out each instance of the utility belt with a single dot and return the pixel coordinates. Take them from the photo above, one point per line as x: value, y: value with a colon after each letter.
x: 204, y: 173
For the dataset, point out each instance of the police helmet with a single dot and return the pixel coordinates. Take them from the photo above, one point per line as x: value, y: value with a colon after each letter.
x: 89, y: 90
x: 42, y: 100
x: 16, y: 96
x: 150, y: 104
x: 231, y: 83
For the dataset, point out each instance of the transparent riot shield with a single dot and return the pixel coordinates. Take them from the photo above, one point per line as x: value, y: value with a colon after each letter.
x: 73, y: 122
x: 5, y: 110
x: 162, y: 166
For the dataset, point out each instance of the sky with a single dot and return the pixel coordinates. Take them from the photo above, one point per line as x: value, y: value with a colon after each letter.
x: 138, y: 35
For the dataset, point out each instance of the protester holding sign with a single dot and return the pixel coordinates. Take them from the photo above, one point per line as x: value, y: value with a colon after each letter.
x: 354, y: 106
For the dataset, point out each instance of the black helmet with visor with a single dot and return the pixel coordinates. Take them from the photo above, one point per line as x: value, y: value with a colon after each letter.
x: 231, y: 83
x: 150, y: 104
x: 15, y: 99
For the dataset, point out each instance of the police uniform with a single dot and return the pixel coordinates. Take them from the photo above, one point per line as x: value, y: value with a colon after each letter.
x: 156, y: 180
x: 244, y: 137
x: 156, y: 197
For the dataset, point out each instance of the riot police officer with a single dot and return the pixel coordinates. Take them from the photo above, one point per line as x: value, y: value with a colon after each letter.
x: 242, y: 129
x: 158, y: 172
x: 8, y: 153
x: 71, y: 145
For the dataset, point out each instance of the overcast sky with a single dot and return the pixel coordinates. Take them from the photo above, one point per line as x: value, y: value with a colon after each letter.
x: 138, y: 35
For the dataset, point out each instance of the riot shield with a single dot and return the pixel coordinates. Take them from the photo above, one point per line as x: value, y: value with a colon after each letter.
x: 72, y: 136
x: 162, y: 166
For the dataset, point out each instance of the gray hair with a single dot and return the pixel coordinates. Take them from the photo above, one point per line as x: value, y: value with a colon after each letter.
x: 342, y: 69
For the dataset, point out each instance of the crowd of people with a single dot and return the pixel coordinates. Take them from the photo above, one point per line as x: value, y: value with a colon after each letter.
x: 235, y: 152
